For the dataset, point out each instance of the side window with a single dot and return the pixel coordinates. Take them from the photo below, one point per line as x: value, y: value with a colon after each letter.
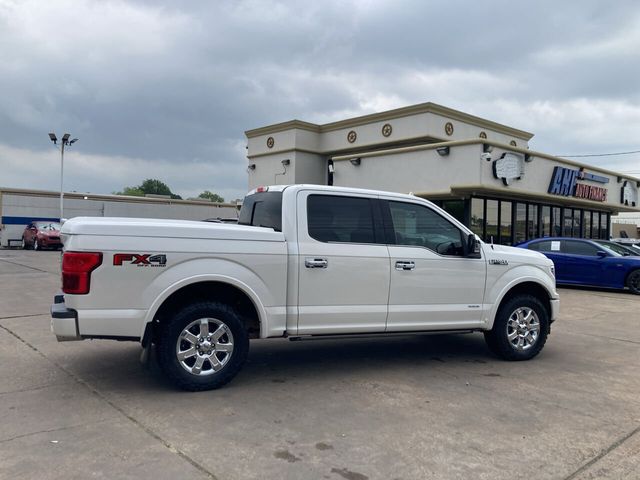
x: 544, y: 246
x: 573, y: 247
x: 417, y: 225
x: 333, y: 218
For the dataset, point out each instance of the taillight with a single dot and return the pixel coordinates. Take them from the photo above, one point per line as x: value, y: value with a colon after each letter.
x: 76, y: 271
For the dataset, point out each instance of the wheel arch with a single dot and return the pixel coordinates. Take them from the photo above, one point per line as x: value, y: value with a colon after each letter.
x: 628, y: 274
x: 525, y: 287
x: 210, y: 287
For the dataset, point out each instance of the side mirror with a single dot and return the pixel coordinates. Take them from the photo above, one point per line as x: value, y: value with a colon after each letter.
x: 602, y: 253
x: 472, y: 249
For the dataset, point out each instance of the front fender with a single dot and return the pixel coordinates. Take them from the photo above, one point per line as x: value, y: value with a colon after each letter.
x: 513, y: 277
x: 267, y: 294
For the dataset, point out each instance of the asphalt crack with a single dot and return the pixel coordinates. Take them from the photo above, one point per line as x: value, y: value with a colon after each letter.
x: 51, y: 430
x: 26, y: 266
x: 606, y: 338
x: 603, y: 453
x: 101, y: 396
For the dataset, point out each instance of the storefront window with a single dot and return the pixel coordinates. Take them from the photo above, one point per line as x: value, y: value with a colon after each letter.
x: 604, y: 224
x: 587, y: 224
x: 477, y: 216
x: 546, y: 221
x: 556, y: 227
x: 532, y: 222
x: 505, y: 223
x: 577, y: 223
x: 568, y: 222
x: 514, y: 222
x: 455, y: 208
x: 491, y: 233
x: 519, y: 230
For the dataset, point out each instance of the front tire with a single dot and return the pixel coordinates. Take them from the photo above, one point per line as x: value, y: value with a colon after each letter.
x: 24, y: 244
x: 633, y: 282
x: 203, y: 346
x: 520, y: 329
x: 36, y: 245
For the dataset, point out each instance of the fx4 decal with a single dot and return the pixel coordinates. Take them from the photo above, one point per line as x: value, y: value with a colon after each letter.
x: 140, y: 259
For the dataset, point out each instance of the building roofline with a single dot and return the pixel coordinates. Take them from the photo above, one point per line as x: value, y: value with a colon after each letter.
x: 427, y: 107
x: 113, y: 198
x: 503, y: 146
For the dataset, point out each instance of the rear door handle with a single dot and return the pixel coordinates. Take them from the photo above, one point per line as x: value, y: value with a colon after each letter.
x: 310, y: 262
x: 405, y: 265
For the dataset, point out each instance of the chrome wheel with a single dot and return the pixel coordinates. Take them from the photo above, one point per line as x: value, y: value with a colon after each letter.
x: 204, y: 346
x: 523, y: 328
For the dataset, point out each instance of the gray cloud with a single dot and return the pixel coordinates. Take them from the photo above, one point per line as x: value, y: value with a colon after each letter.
x: 151, y: 85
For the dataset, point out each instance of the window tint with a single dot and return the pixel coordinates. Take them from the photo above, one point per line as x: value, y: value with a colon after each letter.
x: 544, y: 246
x: 262, y: 209
x: 614, y: 248
x: 333, y: 218
x: 574, y: 247
x: 418, y: 225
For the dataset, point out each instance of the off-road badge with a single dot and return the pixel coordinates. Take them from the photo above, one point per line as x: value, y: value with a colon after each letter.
x: 140, y: 259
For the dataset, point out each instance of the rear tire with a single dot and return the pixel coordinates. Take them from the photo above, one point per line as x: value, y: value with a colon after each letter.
x: 202, y: 346
x: 520, y: 329
x: 633, y: 282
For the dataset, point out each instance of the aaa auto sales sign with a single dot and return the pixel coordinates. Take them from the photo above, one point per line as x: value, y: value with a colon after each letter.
x: 565, y: 181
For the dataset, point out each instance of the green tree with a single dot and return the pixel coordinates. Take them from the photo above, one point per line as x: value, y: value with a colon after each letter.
x: 132, y: 191
x: 214, y: 197
x: 149, y: 186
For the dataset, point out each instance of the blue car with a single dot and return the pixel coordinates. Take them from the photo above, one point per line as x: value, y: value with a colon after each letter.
x: 598, y: 263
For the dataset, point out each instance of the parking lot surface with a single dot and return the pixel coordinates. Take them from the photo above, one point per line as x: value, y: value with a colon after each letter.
x: 415, y: 407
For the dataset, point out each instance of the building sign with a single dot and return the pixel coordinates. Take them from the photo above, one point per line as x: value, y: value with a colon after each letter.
x: 564, y: 181
x: 509, y: 167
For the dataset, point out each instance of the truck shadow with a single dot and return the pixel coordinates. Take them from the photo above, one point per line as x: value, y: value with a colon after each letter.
x: 278, y: 361
x: 321, y: 357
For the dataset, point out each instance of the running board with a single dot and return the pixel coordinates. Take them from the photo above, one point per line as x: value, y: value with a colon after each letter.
x: 333, y: 336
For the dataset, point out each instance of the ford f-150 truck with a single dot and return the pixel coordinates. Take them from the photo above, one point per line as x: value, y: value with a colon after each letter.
x: 303, y: 261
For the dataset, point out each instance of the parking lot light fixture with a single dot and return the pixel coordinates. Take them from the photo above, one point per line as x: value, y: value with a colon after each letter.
x: 64, y: 143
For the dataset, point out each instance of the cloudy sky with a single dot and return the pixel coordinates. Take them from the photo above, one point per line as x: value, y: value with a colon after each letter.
x: 165, y: 89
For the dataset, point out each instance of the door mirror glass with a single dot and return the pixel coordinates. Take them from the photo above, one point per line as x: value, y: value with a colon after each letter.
x: 473, y: 246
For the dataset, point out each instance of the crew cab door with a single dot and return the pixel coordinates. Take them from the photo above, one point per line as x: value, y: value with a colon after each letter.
x: 433, y: 285
x: 343, y: 264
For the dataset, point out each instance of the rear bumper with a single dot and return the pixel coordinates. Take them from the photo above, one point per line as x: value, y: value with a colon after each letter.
x: 64, y: 321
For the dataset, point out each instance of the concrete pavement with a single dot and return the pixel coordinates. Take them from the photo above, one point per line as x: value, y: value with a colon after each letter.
x: 404, y: 407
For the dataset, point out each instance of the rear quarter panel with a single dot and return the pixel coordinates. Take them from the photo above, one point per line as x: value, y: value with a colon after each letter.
x: 124, y: 298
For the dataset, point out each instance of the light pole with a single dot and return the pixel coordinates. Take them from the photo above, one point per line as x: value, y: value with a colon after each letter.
x: 65, y: 142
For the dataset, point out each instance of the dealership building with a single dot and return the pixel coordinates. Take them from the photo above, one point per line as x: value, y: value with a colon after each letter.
x: 481, y: 172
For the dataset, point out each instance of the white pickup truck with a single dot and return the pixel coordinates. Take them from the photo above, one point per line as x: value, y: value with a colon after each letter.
x: 304, y: 261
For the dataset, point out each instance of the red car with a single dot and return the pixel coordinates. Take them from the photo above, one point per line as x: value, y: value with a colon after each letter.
x: 38, y: 235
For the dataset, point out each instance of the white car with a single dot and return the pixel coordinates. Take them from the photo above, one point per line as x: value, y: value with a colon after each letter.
x: 304, y: 261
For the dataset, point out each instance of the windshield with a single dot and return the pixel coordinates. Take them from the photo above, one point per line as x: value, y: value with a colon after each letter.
x: 48, y: 226
x: 612, y: 247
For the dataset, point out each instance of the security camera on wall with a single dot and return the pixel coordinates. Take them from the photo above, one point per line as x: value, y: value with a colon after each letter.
x: 486, y: 156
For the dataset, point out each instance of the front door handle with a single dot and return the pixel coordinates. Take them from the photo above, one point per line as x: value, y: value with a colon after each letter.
x: 405, y: 265
x: 311, y: 262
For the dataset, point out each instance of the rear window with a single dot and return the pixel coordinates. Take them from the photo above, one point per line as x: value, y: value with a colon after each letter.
x: 262, y: 209
x: 544, y: 246
x: 574, y: 247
